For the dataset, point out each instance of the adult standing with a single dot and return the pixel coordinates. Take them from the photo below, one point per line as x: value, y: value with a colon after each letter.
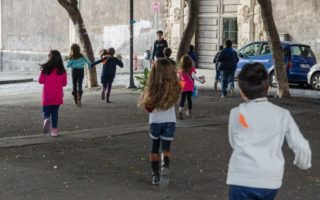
x: 159, y: 45
x: 228, y: 59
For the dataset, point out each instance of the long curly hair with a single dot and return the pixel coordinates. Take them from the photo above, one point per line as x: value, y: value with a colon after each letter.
x: 162, y: 90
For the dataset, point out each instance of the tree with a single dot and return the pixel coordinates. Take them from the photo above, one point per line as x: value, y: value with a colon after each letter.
x: 71, y: 6
x: 277, y: 51
x: 190, y: 29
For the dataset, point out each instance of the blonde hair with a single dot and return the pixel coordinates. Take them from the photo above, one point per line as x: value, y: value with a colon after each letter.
x: 186, y: 63
x: 162, y: 90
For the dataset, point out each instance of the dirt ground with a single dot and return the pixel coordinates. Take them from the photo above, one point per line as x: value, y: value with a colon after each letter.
x: 118, y: 168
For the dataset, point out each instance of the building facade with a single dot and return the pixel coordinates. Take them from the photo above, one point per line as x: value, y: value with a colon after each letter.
x: 240, y: 21
x: 28, y: 31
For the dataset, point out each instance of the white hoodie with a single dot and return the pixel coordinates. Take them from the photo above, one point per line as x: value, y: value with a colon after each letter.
x: 257, y: 130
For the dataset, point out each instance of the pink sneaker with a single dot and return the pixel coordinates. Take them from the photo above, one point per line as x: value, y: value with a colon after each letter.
x: 46, y: 126
x: 54, y: 132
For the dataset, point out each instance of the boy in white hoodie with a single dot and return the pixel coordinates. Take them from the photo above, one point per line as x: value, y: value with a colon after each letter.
x: 257, y: 129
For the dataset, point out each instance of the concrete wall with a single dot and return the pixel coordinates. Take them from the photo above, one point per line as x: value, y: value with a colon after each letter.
x: 31, y: 29
x: 299, y: 19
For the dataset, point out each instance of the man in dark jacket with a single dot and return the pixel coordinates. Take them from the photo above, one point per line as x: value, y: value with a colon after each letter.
x: 159, y: 46
x: 218, y: 74
x: 228, y: 59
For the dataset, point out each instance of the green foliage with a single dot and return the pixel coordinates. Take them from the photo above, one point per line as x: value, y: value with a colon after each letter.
x: 142, y: 79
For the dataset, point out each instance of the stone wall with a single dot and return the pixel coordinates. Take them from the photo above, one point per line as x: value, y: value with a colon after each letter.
x: 30, y: 29
x: 299, y: 19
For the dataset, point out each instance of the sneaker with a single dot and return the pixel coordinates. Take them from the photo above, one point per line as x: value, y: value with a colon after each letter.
x: 54, y: 132
x: 188, y: 113
x: 164, y: 177
x: 46, y: 126
x: 155, y: 179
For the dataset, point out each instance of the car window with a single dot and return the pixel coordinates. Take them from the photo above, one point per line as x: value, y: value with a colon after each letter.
x: 265, y: 49
x: 303, y: 51
x: 250, y: 50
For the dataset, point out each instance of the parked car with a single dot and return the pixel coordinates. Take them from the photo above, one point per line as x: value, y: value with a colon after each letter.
x: 298, y: 58
x: 314, y: 77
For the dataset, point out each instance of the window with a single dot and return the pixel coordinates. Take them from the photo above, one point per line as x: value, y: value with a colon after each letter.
x: 230, y: 30
x: 265, y: 49
x: 302, y: 51
x: 250, y: 50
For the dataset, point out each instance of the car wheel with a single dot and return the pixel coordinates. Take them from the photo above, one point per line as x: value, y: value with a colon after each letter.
x: 272, y: 79
x: 315, y: 81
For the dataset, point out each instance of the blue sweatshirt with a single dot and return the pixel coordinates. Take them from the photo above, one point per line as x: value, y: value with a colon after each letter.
x: 109, y: 67
x: 78, y: 63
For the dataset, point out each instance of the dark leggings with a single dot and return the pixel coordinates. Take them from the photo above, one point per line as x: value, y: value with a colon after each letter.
x: 77, y: 79
x: 165, y: 146
x: 186, y: 95
x: 107, y: 89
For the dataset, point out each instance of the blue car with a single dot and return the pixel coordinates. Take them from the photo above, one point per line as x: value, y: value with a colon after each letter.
x: 299, y: 58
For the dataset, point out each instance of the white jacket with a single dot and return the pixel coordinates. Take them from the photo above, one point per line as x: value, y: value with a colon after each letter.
x: 257, y: 130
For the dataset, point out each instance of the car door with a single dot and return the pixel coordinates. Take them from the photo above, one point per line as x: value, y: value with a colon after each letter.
x: 302, y: 59
x: 264, y: 56
x: 247, y: 54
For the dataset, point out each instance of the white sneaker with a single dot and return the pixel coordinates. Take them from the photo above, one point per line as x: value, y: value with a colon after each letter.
x: 54, y: 132
x: 46, y: 126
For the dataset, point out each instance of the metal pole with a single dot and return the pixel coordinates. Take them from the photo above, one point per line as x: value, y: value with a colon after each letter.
x: 131, y: 85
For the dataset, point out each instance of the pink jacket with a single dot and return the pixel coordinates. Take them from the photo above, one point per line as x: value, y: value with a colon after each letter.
x: 52, y: 93
x: 186, y: 80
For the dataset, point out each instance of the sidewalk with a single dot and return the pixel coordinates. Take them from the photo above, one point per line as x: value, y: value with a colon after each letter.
x: 103, y: 151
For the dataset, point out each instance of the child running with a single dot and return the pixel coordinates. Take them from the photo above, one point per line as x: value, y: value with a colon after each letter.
x: 109, y: 71
x: 159, y: 99
x: 257, y: 129
x: 53, y: 76
x: 77, y: 63
x: 187, y: 75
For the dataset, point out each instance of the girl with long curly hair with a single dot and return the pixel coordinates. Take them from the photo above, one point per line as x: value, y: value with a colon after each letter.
x: 159, y: 98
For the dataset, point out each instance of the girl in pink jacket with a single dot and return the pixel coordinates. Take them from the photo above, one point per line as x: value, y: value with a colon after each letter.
x: 53, y: 77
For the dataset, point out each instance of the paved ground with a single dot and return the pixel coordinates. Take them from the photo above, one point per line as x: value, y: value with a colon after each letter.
x: 103, y: 152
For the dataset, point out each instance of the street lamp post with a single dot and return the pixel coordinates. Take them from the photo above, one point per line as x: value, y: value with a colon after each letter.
x: 131, y: 85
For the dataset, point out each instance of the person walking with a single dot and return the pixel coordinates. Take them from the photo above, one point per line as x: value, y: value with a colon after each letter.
x: 217, y: 65
x: 187, y: 75
x: 159, y: 45
x: 159, y: 99
x: 110, y: 63
x: 257, y: 130
x: 53, y: 76
x: 228, y: 59
x: 193, y: 56
x: 77, y: 62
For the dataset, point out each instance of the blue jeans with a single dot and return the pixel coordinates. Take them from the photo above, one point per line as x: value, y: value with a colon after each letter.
x: 227, y: 80
x: 165, y: 131
x: 51, y: 111
x: 248, y: 193
x: 218, y: 72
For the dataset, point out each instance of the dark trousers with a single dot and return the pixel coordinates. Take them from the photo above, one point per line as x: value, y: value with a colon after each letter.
x: 227, y: 80
x: 218, y: 72
x: 77, y: 80
x: 248, y: 193
x: 107, y: 86
x: 164, y: 144
x: 51, y: 112
x: 186, y: 95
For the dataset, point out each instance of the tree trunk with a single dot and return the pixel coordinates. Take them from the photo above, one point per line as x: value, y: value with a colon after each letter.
x: 71, y: 6
x: 277, y: 51
x: 190, y: 29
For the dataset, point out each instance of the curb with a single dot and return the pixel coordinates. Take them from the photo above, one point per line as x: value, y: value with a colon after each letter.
x: 16, y: 81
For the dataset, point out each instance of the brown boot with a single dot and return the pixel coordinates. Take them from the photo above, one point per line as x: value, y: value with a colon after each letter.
x: 74, y: 94
x: 79, y: 95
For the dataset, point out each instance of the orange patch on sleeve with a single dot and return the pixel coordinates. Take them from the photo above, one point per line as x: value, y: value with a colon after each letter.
x: 243, y: 121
